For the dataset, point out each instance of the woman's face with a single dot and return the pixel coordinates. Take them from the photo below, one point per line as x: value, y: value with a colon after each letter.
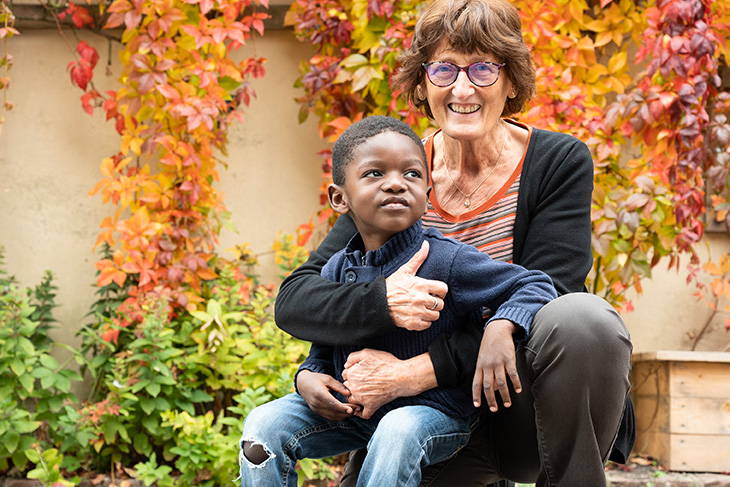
x: 463, y: 110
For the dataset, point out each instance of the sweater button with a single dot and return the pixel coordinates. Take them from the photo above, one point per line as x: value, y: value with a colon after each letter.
x: 350, y: 276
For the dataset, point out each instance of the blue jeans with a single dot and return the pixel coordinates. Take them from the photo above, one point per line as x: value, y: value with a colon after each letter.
x: 405, y: 440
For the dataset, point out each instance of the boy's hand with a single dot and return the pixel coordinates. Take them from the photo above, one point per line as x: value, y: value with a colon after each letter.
x: 496, y: 363
x: 414, y: 302
x: 316, y: 390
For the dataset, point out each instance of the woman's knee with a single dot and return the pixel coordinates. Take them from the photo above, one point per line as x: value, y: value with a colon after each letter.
x: 580, y: 317
x: 581, y: 328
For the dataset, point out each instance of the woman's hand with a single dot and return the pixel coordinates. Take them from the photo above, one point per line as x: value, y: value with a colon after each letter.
x: 495, y: 364
x: 374, y: 378
x: 316, y: 390
x: 414, y: 302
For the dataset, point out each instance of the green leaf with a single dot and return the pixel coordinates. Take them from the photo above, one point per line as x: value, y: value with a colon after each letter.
x: 27, y: 382
x: 151, y: 423
x: 147, y: 405
x: 49, y: 380
x: 153, y: 388
x: 26, y: 346
x: 11, y: 440
x: 33, y: 455
x: 18, y: 367
x: 201, y: 315
x: 200, y: 396
x: 354, y: 61
x: 214, y: 308
x: 162, y: 404
x: 20, y: 460
x: 26, y: 426
x: 41, y: 373
x: 110, y: 430
x: 49, y: 362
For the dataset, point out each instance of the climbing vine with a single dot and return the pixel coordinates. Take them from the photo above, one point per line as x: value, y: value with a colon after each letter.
x: 639, y: 82
x: 7, y: 30
x: 180, y: 90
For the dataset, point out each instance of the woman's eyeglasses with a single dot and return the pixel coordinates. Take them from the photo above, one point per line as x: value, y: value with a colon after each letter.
x: 443, y: 73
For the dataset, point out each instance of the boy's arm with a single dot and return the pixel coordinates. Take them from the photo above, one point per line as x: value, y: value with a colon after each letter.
x: 454, y: 357
x: 510, y: 291
x: 319, y: 360
x: 315, y: 382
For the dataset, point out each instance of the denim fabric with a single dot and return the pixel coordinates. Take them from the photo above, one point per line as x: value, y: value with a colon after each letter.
x: 405, y: 440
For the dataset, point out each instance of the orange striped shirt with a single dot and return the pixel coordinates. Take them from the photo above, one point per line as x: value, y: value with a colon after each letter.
x: 488, y: 227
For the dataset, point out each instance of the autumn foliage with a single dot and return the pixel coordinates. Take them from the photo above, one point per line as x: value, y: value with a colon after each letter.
x: 180, y: 91
x: 638, y: 82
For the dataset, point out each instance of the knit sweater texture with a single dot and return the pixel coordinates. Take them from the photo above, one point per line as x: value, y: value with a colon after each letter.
x: 475, y: 282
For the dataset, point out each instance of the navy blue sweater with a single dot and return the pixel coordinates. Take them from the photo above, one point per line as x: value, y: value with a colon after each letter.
x: 475, y: 282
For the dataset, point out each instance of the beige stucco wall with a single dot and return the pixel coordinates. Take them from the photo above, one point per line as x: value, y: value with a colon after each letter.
x: 50, y: 152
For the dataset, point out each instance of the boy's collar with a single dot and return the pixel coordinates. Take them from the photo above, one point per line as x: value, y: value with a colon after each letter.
x: 397, y: 244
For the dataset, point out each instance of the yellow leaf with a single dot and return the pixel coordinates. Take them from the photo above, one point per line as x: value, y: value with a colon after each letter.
x: 597, y: 26
x: 603, y: 38
x: 617, y: 62
x: 725, y: 263
x: 353, y: 61
x: 711, y: 268
x: 361, y: 78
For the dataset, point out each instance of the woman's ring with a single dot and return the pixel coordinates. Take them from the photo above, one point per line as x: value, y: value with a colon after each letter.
x: 435, y: 302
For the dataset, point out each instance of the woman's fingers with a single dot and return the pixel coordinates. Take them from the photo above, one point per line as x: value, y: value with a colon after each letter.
x: 413, y: 302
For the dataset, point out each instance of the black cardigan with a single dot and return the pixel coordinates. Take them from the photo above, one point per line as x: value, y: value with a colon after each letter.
x: 552, y: 233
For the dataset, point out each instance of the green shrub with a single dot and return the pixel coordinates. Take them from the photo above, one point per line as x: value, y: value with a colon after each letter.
x: 169, y: 390
x: 35, y: 390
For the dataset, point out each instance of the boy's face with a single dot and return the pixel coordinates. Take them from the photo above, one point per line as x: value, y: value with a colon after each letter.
x: 385, y: 188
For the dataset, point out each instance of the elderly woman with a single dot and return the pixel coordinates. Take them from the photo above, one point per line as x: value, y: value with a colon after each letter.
x: 556, y: 401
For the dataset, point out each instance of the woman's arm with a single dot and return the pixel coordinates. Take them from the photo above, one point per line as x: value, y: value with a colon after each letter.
x: 316, y: 309
x: 313, y: 308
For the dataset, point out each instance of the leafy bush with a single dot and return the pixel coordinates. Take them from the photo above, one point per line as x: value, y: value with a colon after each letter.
x: 170, y: 387
x: 35, y: 390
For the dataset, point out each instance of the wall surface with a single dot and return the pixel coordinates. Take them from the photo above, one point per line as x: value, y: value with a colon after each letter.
x: 50, y: 151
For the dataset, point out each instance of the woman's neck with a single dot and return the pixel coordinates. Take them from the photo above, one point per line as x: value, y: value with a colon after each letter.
x: 466, y: 174
x: 472, y: 157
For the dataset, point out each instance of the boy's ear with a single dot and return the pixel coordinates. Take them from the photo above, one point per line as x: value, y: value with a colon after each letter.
x: 428, y: 196
x: 338, y: 199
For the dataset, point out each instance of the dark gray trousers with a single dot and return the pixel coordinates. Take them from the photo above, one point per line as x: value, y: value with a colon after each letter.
x: 574, y: 370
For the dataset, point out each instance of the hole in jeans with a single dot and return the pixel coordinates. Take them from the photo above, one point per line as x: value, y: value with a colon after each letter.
x: 255, y: 452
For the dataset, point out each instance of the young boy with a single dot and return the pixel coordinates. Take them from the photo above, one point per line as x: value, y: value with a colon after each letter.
x: 381, y: 179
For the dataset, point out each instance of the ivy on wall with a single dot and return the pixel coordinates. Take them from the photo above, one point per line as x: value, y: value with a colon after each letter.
x: 180, y: 91
x: 639, y: 82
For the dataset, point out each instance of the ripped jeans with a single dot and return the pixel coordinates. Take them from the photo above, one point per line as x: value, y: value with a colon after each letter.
x: 404, y: 441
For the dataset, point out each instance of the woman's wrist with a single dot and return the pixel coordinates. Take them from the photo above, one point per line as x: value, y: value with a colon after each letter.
x: 416, y: 375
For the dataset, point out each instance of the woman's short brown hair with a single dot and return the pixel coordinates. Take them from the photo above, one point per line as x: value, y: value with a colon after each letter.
x: 468, y: 26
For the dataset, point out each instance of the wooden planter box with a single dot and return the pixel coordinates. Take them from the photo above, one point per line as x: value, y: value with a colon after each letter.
x: 682, y: 402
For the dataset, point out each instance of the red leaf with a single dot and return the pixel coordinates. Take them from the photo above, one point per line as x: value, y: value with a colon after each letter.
x: 88, y: 53
x: 80, y: 73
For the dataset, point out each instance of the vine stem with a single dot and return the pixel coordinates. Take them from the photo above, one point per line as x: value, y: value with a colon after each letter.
x: 6, y: 66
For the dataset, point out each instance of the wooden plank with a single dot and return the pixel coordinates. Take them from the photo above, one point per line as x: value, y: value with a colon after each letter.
x: 682, y: 355
x: 655, y: 445
x: 699, y: 379
x: 699, y: 453
x: 700, y: 415
x: 650, y: 379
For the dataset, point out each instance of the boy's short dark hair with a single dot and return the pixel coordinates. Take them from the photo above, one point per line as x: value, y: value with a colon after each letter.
x: 359, y: 132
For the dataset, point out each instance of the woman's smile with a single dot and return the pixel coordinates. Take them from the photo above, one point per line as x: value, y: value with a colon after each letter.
x: 464, y: 108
